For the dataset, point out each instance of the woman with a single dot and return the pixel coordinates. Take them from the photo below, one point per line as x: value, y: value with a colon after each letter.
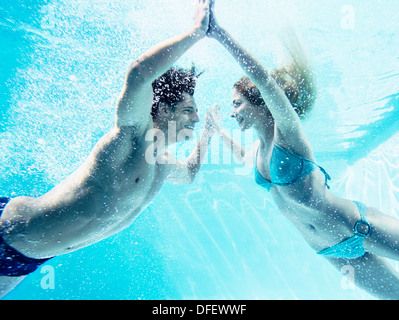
x: 345, y: 232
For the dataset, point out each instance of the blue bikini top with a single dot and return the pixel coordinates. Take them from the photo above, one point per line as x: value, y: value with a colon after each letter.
x: 286, y: 168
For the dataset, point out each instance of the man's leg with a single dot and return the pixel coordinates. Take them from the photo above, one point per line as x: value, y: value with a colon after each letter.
x: 8, y: 283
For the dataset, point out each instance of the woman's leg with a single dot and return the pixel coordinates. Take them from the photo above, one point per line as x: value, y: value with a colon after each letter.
x: 384, y: 238
x: 373, y: 274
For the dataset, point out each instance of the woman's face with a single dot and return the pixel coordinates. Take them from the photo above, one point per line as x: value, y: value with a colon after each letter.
x: 243, y: 111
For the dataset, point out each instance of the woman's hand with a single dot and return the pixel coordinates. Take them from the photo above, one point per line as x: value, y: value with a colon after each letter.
x: 213, y: 25
x: 201, y: 16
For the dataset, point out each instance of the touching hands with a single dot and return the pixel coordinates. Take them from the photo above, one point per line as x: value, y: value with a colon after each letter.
x: 213, y: 25
x: 201, y: 16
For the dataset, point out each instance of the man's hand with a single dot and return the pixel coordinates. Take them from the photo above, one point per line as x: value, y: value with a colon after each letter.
x: 212, y: 119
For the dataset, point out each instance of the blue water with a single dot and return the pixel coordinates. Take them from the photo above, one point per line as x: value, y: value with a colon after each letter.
x: 62, y: 66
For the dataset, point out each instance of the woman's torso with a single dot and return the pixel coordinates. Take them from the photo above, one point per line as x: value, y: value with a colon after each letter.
x: 322, y: 218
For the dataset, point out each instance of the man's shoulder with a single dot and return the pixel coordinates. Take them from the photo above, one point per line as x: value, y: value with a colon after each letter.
x: 120, y: 144
x: 130, y: 131
x: 123, y: 139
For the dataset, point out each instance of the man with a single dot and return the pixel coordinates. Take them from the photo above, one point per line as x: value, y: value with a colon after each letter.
x: 124, y: 171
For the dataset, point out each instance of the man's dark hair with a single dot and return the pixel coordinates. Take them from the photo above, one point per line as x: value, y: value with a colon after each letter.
x: 169, y: 87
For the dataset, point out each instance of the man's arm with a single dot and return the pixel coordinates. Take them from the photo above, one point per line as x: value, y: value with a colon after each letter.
x: 135, y: 100
x: 184, y: 172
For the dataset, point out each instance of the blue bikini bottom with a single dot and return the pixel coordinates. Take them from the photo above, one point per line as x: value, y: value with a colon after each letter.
x: 352, y: 247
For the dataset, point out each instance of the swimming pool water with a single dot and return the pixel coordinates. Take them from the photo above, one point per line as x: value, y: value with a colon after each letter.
x: 62, y: 67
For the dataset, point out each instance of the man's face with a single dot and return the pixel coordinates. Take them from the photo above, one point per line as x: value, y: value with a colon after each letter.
x: 186, y: 117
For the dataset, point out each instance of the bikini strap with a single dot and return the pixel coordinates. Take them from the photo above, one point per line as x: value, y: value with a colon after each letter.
x: 363, y: 220
x: 326, y: 175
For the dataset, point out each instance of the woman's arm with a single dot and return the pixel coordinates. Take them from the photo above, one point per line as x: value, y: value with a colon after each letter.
x: 238, y: 150
x: 286, y: 119
x: 184, y: 172
x: 240, y: 153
